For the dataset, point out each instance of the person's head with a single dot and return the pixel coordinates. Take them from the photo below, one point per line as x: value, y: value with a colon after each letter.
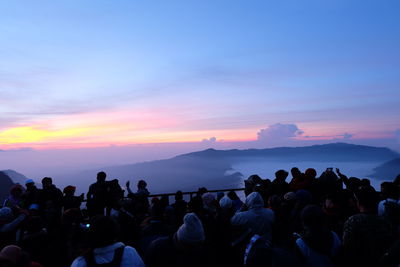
x: 290, y: 197
x: 274, y: 202
x: 365, y: 182
x: 389, y: 190
x: 225, y: 203
x: 191, y: 232
x: 310, y: 173
x: 16, y: 191
x: 313, y: 217
x: 10, y: 255
x: 295, y: 172
x: 353, y: 184
x: 101, y: 176
x: 178, y: 195
x: 232, y: 195
x: 156, y: 210
x: 281, y: 175
x: 208, y: 199
x: 47, y: 182
x: 103, y: 231
x: 367, y: 199
x: 30, y: 184
x: 254, y: 200
x: 303, y: 197
x: 69, y: 190
x: 396, y: 180
x: 201, y: 191
x: 141, y: 184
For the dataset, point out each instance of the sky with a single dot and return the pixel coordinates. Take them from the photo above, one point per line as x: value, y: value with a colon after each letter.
x: 187, y: 75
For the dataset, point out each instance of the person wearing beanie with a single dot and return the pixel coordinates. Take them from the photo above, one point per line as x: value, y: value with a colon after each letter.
x: 256, y: 217
x: 184, y: 248
x: 226, y: 203
x: 191, y: 231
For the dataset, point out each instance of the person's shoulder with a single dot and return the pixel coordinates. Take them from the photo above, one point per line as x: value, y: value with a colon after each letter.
x: 130, y: 250
x: 79, y: 262
x: 132, y: 256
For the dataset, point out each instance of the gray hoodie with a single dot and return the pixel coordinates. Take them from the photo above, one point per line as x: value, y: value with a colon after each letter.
x: 258, y: 219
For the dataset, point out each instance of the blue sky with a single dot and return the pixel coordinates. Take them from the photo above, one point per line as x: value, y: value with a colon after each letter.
x: 95, y: 73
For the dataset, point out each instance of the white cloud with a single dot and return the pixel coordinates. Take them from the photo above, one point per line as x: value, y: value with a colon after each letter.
x: 347, y: 136
x: 211, y: 140
x: 278, y: 133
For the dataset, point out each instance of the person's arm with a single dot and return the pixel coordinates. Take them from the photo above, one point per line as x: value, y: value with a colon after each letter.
x: 89, y: 194
x: 343, y: 177
x: 14, y: 224
x: 128, y: 188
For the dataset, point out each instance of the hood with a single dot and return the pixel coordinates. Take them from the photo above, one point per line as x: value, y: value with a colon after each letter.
x: 254, y: 200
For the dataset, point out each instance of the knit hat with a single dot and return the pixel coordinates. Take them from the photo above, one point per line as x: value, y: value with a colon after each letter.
x: 69, y: 189
x: 6, y: 214
x: 226, y: 202
x: 29, y: 181
x: 191, y: 231
x: 254, y: 200
x: 11, y: 253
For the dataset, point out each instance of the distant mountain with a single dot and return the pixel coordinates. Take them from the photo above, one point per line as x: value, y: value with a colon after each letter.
x: 388, y: 170
x: 329, y: 152
x: 16, y: 177
x: 210, y: 168
x: 179, y: 173
x: 5, y: 185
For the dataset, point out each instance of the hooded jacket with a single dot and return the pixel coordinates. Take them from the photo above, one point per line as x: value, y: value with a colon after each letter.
x: 258, y: 219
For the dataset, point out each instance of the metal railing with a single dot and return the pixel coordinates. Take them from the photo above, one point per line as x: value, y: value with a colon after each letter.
x: 191, y: 193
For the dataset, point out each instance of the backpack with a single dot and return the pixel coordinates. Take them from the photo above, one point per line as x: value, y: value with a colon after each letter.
x: 116, y: 261
x: 392, y: 212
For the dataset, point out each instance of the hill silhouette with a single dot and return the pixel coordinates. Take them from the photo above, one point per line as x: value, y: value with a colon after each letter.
x: 388, y: 170
x: 209, y: 167
x: 328, y: 152
x: 5, y: 184
x: 16, y: 177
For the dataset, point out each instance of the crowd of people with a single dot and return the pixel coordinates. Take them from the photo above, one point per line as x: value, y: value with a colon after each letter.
x: 330, y: 220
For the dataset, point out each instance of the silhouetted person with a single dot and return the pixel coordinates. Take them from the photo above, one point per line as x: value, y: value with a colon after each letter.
x: 317, y: 246
x: 104, y: 248
x: 15, y: 198
x: 50, y: 201
x: 184, y: 248
x: 115, y: 194
x: 97, y: 195
x: 279, y: 186
x: 31, y: 195
x: 366, y: 236
x: 70, y: 201
x: 255, y: 217
x: 180, y: 207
